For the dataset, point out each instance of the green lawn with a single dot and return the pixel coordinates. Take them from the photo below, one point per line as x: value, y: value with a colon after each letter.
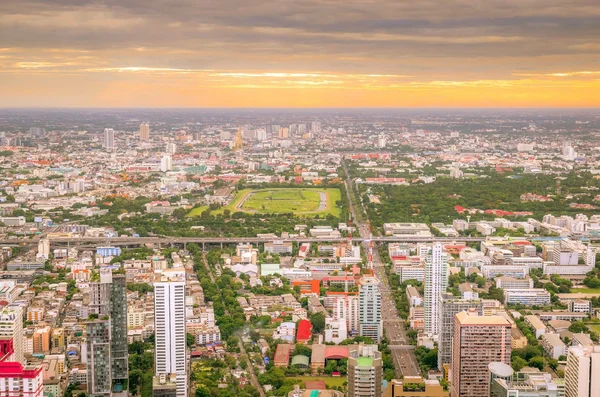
x: 329, y: 381
x: 594, y: 327
x: 585, y: 290
x: 282, y: 200
x: 197, y: 211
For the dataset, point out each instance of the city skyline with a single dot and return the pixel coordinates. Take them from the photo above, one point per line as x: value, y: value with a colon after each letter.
x: 315, y: 54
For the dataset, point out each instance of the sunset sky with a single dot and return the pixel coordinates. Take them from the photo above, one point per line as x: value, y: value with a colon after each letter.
x: 300, y: 53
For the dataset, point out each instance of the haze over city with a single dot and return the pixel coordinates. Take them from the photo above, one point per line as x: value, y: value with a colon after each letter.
x: 316, y: 53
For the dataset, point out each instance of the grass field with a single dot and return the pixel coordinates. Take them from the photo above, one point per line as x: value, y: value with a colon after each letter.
x: 278, y: 201
x: 585, y: 290
x: 329, y: 381
x: 594, y: 327
x: 297, y: 200
x: 197, y: 211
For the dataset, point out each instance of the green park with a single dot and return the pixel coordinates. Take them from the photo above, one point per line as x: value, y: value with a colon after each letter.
x: 301, y: 201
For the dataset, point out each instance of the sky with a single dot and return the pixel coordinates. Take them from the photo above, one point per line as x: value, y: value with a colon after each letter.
x: 300, y: 53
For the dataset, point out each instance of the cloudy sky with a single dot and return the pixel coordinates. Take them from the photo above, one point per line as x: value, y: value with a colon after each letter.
x: 300, y: 53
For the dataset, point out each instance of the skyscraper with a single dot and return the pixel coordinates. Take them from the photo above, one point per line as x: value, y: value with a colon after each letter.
x: 436, y: 282
x: 107, y: 336
x: 370, y: 308
x: 365, y: 372
x: 451, y: 305
x: 98, y: 356
x: 581, y: 373
x: 144, y: 131
x: 166, y: 162
x: 347, y: 308
x: 169, y: 326
x: 109, y: 139
x: 478, y: 341
x: 11, y: 333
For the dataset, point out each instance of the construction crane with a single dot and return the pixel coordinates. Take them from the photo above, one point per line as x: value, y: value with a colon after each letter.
x: 238, y: 143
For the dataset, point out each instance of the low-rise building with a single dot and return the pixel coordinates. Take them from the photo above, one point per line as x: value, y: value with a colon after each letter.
x: 539, y: 328
x: 553, y: 345
x: 415, y: 386
x: 580, y: 306
x: 527, y: 297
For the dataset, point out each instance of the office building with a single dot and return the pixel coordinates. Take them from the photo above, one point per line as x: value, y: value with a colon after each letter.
x: 370, y: 309
x: 11, y: 333
x: 436, y: 282
x: 109, y: 139
x: 581, y: 373
x: 170, y: 336
x: 365, y: 372
x: 107, y: 336
x: 144, y: 131
x: 478, y: 341
x: 451, y: 305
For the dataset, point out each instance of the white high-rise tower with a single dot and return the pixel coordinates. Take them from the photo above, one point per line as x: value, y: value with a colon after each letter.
x: 436, y: 282
x: 169, y: 325
x: 109, y: 139
x: 370, y: 308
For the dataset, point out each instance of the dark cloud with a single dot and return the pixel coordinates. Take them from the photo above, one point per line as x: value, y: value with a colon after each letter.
x: 454, y: 36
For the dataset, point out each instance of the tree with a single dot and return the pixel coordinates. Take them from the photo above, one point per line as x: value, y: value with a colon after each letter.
x: 318, y: 322
x: 537, y: 362
x: 190, y: 340
x: 518, y: 363
x: 578, y: 327
x: 202, y: 391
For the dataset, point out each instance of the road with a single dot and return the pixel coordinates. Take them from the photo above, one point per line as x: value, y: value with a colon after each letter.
x: 251, y: 373
x: 225, y: 240
x: 393, y: 326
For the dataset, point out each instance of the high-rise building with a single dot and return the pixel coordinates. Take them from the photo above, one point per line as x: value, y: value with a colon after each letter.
x: 436, y: 282
x: 365, y: 372
x: 99, y: 382
x: 581, y: 373
x: 166, y: 163
x: 171, y: 148
x: 169, y: 326
x: 370, y: 308
x: 107, y: 336
x: 109, y: 139
x: 451, y: 305
x: 17, y: 380
x: 478, y: 341
x: 144, y: 131
x: 37, y: 132
x: 11, y: 332
x: 284, y: 133
x: 315, y: 126
x: 347, y: 308
x: 44, y: 249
